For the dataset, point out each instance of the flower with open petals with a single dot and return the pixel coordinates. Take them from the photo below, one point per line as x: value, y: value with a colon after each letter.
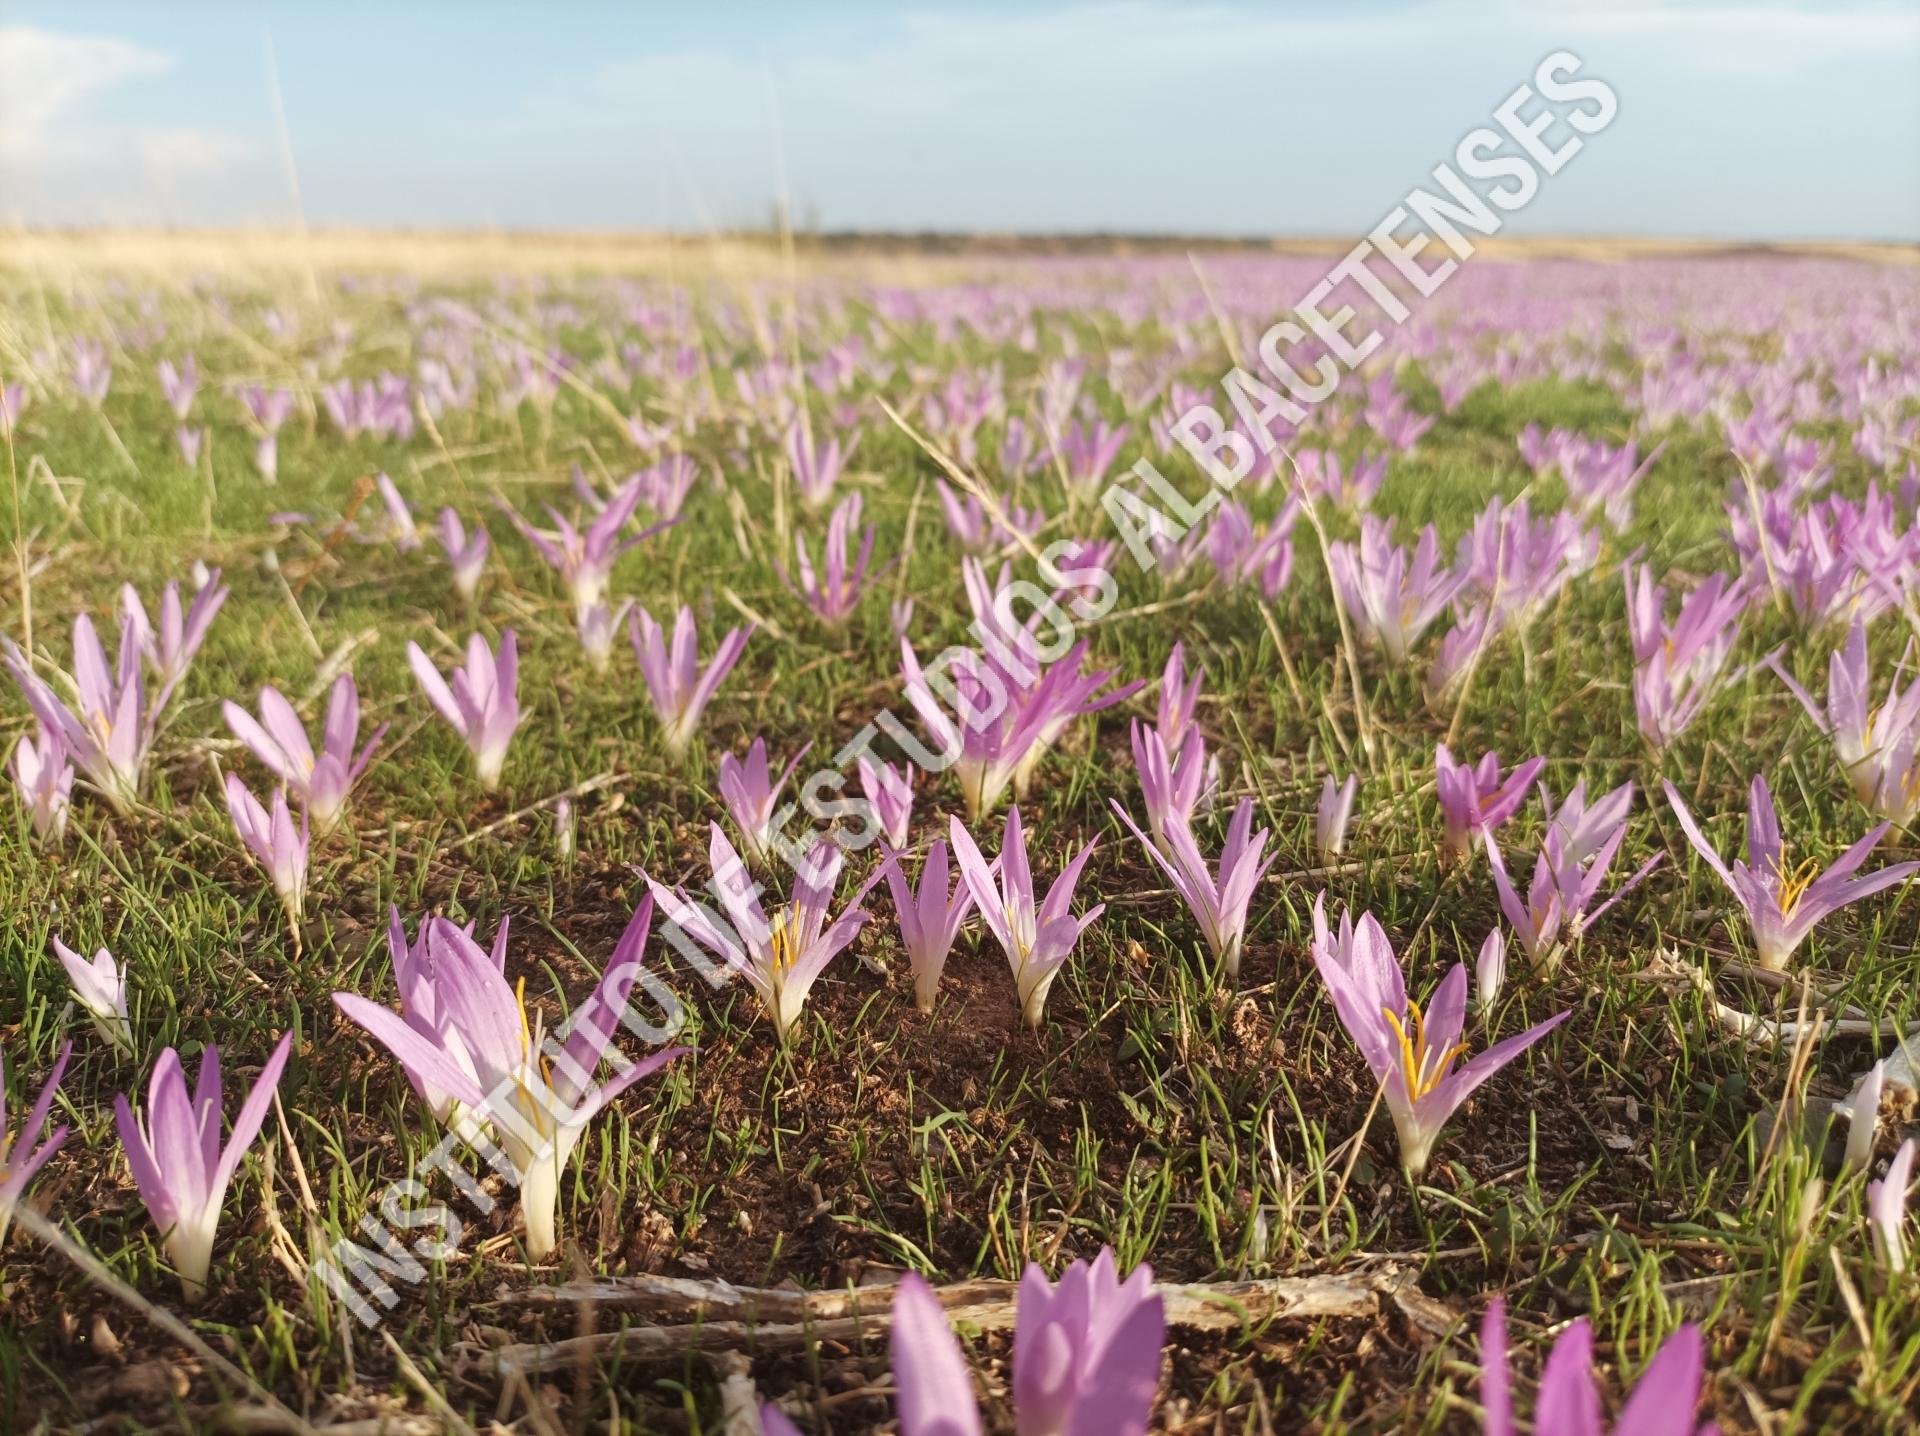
x: 1412, y: 1053
x: 1784, y: 905
x: 1038, y: 939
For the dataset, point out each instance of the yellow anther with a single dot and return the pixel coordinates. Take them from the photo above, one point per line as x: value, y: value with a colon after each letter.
x: 1794, y: 885
x: 1416, y: 1058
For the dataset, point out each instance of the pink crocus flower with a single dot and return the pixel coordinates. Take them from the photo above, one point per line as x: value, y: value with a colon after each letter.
x: 279, y: 740
x: 1218, y: 899
x: 189, y: 441
x: 783, y: 956
x: 1680, y: 666
x: 43, y: 772
x: 1566, y: 880
x: 23, y: 1153
x: 1662, y: 1404
x: 176, y: 1157
x: 929, y: 919
x: 1390, y: 595
x: 816, y: 466
x: 1411, y: 1054
x: 1335, y: 812
x: 99, y: 986
x: 1784, y: 905
x: 1172, y: 787
x: 170, y: 644
x: 279, y: 847
x: 1037, y: 938
x: 1179, y: 698
x: 179, y: 383
x: 1886, y: 1208
x: 482, y: 702
x: 1087, y: 1351
x: 399, y: 527
x: 465, y: 1034
x: 835, y: 591
x: 584, y: 558
x: 750, y: 793
x: 680, y: 689
x: 1875, y: 742
x: 466, y: 555
x: 109, y: 731
x: 597, y: 626
x: 1476, y: 800
x: 890, y: 791
x: 1086, y: 1355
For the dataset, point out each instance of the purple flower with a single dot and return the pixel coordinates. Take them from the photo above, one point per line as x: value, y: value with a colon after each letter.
x: 1663, y: 1404
x: 679, y: 688
x: 1086, y: 1353
x: 465, y: 1035
x: 1037, y: 939
x: 929, y: 920
x: 1178, y: 698
x: 1567, y: 875
x: 1085, y: 451
x: 169, y: 646
x: 584, y: 558
x: 1783, y: 906
x: 1335, y: 812
x: 43, y: 771
x: 279, y: 847
x: 1678, y: 667
x: 100, y: 986
x: 189, y: 442
x: 178, y: 385
x: 1389, y: 595
x: 935, y: 1388
x: 91, y: 372
x: 1490, y: 969
x: 1218, y: 902
x: 1886, y: 1206
x: 597, y: 625
x: 20, y: 1157
x: 1171, y: 787
x: 835, y: 591
x: 483, y: 701
x: 1410, y: 1053
x: 1475, y: 801
x: 750, y: 793
x: 176, y: 1157
x: 110, y: 736
x: 1585, y: 828
x: 467, y: 557
x: 816, y: 467
x: 398, y: 527
x: 1874, y: 742
x: 781, y: 957
x: 890, y: 790
x: 1320, y: 474
x: 13, y: 403
x: 278, y: 739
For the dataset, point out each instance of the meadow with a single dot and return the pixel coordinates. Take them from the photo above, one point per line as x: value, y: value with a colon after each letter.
x: 1654, y: 490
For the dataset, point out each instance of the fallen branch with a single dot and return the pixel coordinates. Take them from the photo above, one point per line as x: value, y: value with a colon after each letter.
x: 713, y: 1316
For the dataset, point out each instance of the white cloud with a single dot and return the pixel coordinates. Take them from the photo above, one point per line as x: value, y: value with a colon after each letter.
x: 43, y: 74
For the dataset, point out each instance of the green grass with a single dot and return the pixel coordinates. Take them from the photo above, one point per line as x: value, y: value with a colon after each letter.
x: 1623, y: 1170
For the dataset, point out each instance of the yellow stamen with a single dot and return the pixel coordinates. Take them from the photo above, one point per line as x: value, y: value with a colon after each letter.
x: 783, y: 941
x: 1416, y: 1058
x: 1794, y: 885
x: 526, y: 1033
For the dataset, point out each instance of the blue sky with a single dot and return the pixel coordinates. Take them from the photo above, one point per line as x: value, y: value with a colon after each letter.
x: 1738, y: 118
